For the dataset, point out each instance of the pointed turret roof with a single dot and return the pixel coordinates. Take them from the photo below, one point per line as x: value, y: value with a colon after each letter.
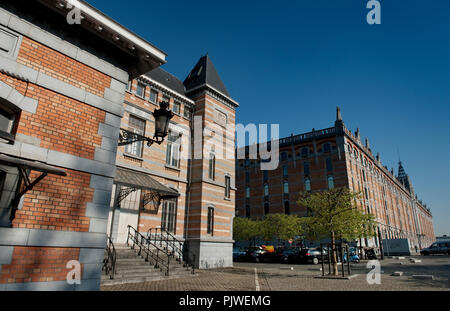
x: 404, y: 178
x: 204, y: 73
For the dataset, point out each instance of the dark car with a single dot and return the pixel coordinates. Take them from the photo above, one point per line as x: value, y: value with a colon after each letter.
x: 239, y: 254
x: 288, y: 255
x: 255, y: 254
x: 273, y: 257
x: 305, y: 255
x: 441, y: 247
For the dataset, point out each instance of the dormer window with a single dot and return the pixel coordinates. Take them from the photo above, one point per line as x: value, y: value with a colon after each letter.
x: 8, y: 117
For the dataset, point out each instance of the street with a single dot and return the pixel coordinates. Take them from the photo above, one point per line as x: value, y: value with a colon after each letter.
x: 279, y: 277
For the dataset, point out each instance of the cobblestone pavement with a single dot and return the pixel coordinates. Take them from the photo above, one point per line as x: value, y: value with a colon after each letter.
x: 278, y: 277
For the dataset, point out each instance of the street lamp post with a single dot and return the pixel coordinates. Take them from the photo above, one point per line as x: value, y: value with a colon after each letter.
x: 162, y: 119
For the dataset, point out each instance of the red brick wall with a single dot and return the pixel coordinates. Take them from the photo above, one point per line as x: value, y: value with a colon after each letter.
x: 57, y: 203
x: 38, y: 264
x: 61, y: 67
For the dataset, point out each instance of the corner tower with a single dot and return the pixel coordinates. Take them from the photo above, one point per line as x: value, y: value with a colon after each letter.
x: 211, y: 206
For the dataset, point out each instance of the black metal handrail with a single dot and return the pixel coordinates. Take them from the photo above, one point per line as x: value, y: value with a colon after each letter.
x: 172, y: 245
x: 109, y: 260
x: 153, y: 253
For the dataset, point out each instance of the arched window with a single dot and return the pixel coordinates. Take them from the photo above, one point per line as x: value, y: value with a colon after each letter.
x: 330, y: 182
x: 287, y: 209
x: 307, y: 184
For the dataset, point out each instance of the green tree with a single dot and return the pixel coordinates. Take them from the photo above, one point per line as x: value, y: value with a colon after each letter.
x: 281, y: 226
x: 245, y: 229
x: 334, y: 214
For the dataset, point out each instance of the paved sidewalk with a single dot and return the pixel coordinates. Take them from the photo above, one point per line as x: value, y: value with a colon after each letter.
x: 277, y: 277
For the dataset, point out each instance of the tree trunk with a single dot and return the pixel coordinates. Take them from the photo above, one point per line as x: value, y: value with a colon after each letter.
x: 333, y: 254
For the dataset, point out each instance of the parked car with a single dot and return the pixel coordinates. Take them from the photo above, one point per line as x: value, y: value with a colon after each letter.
x: 239, y: 254
x: 287, y: 255
x: 305, y: 255
x: 441, y: 247
x: 274, y: 256
x: 255, y: 254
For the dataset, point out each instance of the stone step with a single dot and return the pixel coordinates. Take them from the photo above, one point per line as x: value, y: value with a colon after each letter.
x: 118, y: 281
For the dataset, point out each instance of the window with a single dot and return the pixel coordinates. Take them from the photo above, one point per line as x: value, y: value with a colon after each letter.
x: 247, y: 211
x: 285, y: 171
x: 169, y: 216
x: 306, y: 168
x: 173, y: 150
x: 212, y: 166
x: 287, y: 209
x: 166, y: 100
x: 284, y: 156
x: 187, y: 112
x: 326, y: 147
x: 305, y: 152
x: 266, y: 190
x: 2, y: 183
x: 286, y: 187
x: 210, y: 224
x: 266, y: 208
x: 129, y: 85
x: 329, y: 165
x: 247, y: 177
x: 330, y: 182
x: 247, y: 193
x: 153, y: 96
x: 140, y: 90
x: 7, y: 122
x: 307, y: 184
x: 227, y: 187
x: 136, y: 126
x: 176, y: 107
x: 265, y: 176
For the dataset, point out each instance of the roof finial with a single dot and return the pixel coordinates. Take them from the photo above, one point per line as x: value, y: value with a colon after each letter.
x: 367, y: 143
x: 358, y: 134
x: 338, y: 114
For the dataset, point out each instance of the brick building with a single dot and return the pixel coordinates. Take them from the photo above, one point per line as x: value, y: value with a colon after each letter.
x: 62, y: 87
x: 198, y: 191
x: 335, y: 157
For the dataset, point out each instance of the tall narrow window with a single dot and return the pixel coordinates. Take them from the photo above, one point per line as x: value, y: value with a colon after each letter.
x: 153, y: 96
x: 247, y: 211
x: 212, y: 166
x: 176, y: 107
x: 306, y: 168
x: 169, y: 216
x: 329, y: 165
x: 2, y: 183
x: 285, y: 171
x: 140, y: 90
x: 129, y: 85
x: 266, y: 190
x: 305, y: 152
x: 187, y: 112
x: 286, y: 187
x: 210, y: 224
x: 247, y: 193
x: 266, y: 208
x: 173, y: 150
x: 287, y: 209
x: 284, y: 156
x: 330, y: 182
x: 265, y: 176
x: 307, y: 184
x: 137, y: 126
x: 247, y: 177
x: 227, y: 187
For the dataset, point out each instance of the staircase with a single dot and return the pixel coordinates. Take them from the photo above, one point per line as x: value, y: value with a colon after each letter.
x: 143, y: 261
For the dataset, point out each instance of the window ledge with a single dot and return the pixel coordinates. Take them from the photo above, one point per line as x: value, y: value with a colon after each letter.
x: 128, y: 155
x: 172, y: 167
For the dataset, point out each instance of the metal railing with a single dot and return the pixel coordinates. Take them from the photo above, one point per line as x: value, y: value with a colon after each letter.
x: 149, y: 250
x: 109, y: 260
x: 172, y: 245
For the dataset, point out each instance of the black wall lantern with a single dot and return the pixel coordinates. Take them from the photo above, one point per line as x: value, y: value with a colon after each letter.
x: 162, y: 118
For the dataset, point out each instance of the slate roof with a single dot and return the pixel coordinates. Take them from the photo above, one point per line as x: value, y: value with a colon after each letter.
x: 163, y: 77
x: 203, y: 73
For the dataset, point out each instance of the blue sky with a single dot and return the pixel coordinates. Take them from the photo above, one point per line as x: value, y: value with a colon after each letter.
x: 293, y: 62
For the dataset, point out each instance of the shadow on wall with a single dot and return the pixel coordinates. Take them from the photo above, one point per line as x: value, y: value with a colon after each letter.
x: 218, y: 264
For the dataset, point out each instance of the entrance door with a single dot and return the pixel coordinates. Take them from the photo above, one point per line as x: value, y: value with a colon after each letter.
x: 127, y: 213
